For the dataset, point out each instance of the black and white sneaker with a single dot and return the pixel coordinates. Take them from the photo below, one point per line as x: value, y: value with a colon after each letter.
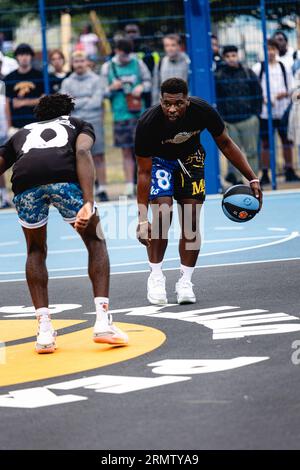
x: 102, y: 196
x: 290, y: 175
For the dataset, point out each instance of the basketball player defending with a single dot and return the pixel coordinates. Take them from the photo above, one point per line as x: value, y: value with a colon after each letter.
x: 52, y: 164
x: 170, y: 160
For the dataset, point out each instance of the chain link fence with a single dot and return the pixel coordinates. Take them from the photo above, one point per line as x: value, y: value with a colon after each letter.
x: 251, y: 117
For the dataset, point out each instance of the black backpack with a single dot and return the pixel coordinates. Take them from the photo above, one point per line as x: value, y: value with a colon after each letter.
x: 283, y: 70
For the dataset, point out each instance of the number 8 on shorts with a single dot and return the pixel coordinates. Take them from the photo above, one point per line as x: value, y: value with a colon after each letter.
x: 163, y: 179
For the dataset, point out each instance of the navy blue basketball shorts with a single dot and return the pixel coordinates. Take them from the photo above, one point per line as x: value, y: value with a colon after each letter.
x: 180, y: 179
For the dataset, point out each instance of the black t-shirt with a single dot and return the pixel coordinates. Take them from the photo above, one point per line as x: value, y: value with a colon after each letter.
x: 44, y: 152
x: 23, y: 85
x: 157, y: 137
x: 55, y: 82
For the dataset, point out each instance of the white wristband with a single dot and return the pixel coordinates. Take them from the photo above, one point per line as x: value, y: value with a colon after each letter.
x: 143, y: 222
x: 254, y: 181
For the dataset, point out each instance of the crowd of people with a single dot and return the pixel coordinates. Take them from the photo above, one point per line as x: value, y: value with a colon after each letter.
x: 243, y: 103
x: 131, y: 77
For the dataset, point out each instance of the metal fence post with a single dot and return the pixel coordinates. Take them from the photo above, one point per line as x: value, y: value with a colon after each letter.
x: 42, y: 13
x: 269, y: 102
x: 198, y: 35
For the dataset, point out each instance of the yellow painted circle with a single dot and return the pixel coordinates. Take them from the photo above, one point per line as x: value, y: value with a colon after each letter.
x: 76, y: 351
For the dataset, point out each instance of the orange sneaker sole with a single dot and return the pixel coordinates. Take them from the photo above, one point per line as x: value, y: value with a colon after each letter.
x: 109, y: 340
x: 48, y: 350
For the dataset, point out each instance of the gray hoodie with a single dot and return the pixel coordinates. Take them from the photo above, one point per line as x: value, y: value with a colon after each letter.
x: 88, y: 90
x: 167, y: 68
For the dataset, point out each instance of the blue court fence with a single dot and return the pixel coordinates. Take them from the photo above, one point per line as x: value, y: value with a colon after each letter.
x: 49, y: 24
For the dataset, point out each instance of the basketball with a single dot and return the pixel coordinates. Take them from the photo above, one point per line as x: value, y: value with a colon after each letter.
x: 239, y: 203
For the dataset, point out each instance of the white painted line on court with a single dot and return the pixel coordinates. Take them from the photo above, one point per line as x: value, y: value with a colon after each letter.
x: 51, y: 252
x: 280, y: 192
x: 205, y: 242
x: 9, y: 243
x: 240, y: 263
x: 268, y: 194
x: 277, y: 229
x: 135, y: 263
x: 138, y: 246
x: 220, y: 265
x: 70, y: 237
x: 255, y: 247
x: 241, y: 239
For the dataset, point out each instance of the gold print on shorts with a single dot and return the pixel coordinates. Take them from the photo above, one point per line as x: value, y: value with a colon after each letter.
x: 24, y: 88
x: 198, y: 187
x: 182, y: 179
x: 197, y: 160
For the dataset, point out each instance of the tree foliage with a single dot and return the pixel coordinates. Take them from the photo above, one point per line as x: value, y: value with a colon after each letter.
x: 275, y: 9
x: 12, y: 11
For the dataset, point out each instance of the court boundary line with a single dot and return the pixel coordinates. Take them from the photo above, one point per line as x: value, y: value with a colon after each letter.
x: 139, y: 246
x: 242, y: 263
x: 209, y: 197
x: 269, y: 193
x: 289, y: 237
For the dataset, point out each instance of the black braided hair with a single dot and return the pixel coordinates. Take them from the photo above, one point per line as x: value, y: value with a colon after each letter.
x: 53, y: 106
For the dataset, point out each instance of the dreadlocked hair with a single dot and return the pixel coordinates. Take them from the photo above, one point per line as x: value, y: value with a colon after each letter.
x: 53, y: 106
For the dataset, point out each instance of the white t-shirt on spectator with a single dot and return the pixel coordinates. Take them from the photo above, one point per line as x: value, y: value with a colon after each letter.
x: 294, y: 116
x: 8, y: 64
x: 277, y: 85
x: 3, y: 120
x: 287, y: 59
x: 89, y: 42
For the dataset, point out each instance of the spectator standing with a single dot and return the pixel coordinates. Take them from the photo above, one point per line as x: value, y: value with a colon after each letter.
x: 239, y: 101
x: 286, y: 54
x: 57, y: 61
x: 90, y: 42
x: 4, y: 124
x: 88, y: 90
x: 174, y: 64
x: 296, y: 65
x: 143, y: 52
x: 24, y: 87
x: 126, y: 78
x: 217, y: 59
x: 281, y: 87
x: 294, y: 117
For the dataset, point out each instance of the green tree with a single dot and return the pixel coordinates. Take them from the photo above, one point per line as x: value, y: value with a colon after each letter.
x: 275, y: 9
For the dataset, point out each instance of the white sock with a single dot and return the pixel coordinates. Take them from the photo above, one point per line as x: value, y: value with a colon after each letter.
x: 44, y: 319
x: 42, y: 314
x: 186, y: 272
x: 101, y: 304
x: 156, y: 269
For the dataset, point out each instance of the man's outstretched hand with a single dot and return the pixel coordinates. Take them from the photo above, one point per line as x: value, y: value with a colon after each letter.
x: 84, y: 216
x: 143, y: 234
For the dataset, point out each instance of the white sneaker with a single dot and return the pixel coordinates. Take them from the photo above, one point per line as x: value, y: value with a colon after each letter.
x: 106, y: 332
x: 156, y: 290
x: 184, y: 291
x: 46, y: 338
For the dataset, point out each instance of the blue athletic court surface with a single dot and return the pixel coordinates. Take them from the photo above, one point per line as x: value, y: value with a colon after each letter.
x: 271, y: 236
